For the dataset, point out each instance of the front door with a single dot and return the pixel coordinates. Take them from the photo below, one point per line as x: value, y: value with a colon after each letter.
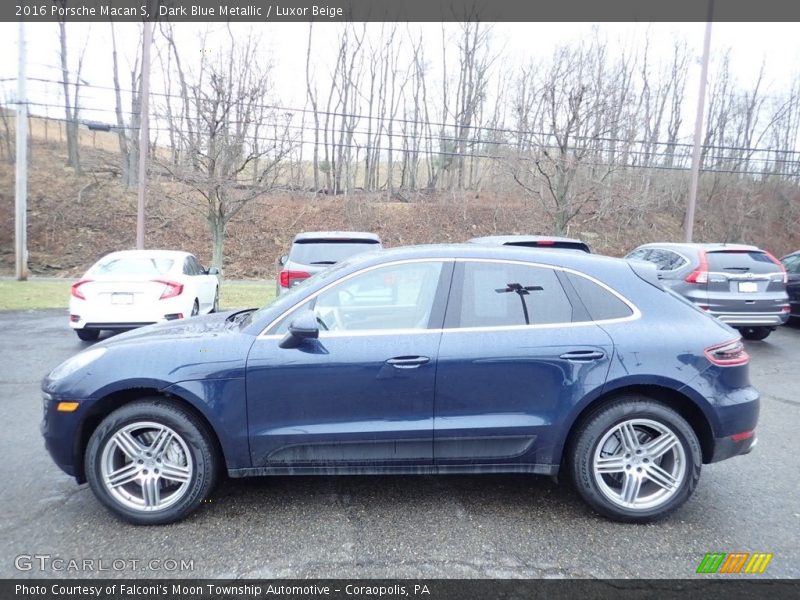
x: 361, y: 395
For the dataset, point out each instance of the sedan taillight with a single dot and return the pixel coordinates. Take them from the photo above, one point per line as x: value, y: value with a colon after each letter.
x: 728, y: 354
x: 76, y: 288
x: 171, y: 289
x: 289, y: 278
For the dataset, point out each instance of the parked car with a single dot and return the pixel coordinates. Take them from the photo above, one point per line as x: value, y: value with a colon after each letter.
x: 424, y: 360
x: 133, y: 288
x: 532, y: 241
x: 743, y: 286
x: 791, y: 262
x: 315, y: 251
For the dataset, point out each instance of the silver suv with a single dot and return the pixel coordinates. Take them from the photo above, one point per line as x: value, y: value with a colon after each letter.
x: 743, y: 286
x: 315, y: 251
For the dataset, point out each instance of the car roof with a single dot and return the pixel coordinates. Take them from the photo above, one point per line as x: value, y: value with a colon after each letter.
x: 549, y: 256
x: 174, y: 254
x: 709, y: 247
x: 336, y: 235
x: 500, y: 240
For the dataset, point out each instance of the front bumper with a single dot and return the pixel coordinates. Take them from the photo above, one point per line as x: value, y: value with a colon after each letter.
x: 60, y: 432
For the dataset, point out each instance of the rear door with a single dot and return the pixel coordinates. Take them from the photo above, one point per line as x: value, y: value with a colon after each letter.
x: 792, y: 265
x: 744, y: 281
x: 517, y: 352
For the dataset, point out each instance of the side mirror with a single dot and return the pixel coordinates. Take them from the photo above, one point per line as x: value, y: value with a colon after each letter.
x: 303, y: 327
x: 212, y: 271
x: 282, y: 260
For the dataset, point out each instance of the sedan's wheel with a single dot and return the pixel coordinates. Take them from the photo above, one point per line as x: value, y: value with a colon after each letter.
x: 195, y: 308
x: 215, y: 306
x: 636, y: 460
x: 755, y: 333
x: 151, y: 462
x: 88, y: 335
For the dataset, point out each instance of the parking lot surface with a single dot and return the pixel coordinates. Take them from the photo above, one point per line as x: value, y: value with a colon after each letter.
x: 499, y: 526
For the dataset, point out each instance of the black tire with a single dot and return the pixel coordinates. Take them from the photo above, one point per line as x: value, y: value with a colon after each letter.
x: 597, y: 488
x: 88, y: 335
x: 195, y: 308
x: 755, y: 333
x: 215, y: 306
x: 204, y: 467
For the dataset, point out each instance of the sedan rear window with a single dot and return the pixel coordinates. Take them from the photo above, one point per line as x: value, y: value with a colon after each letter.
x: 735, y: 261
x: 134, y: 266
x: 328, y: 252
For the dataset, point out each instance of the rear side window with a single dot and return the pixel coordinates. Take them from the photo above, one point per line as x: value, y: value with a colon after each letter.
x: 792, y: 263
x: 600, y: 303
x: 666, y: 260
x: 750, y: 261
x: 506, y: 294
x: 328, y: 252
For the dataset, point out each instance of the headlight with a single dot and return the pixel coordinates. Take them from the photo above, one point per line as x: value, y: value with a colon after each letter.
x: 77, y: 362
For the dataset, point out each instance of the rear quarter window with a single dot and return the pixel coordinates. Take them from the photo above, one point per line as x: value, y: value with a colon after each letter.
x: 600, y: 303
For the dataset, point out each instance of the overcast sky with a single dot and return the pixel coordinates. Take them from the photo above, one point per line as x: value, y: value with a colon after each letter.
x: 776, y: 44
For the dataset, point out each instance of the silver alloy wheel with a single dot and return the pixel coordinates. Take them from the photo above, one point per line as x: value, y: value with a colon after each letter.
x: 639, y: 464
x: 146, y: 466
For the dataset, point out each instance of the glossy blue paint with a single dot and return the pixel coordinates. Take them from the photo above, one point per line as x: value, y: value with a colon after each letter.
x: 483, y: 400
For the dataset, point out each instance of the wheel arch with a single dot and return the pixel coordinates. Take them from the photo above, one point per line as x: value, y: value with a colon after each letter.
x: 675, y: 399
x: 104, y: 406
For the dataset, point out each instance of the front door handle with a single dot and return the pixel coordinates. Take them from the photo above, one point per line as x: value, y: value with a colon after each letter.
x: 408, y: 362
x: 583, y: 355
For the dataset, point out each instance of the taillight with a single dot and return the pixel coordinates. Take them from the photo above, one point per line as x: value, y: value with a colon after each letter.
x: 289, y: 278
x: 545, y: 243
x: 171, y: 288
x: 786, y: 308
x: 780, y: 264
x: 76, y: 291
x: 728, y: 354
x: 700, y: 274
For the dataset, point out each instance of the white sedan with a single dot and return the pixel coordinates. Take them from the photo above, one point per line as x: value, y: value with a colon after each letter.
x: 140, y: 287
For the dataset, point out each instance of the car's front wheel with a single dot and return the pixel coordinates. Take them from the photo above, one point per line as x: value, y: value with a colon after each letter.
x: 755, y: 333
x: 151, y: 462
x: 635, y: 460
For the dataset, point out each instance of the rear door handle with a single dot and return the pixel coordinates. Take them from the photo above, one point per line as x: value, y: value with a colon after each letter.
x: 408, y: 362
x: 583, y: 355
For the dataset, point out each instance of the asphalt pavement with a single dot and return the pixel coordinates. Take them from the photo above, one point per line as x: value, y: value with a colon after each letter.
x: 497, y: 526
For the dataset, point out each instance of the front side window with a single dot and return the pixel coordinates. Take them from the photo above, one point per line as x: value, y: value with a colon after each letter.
x: 390, y: 297
x: 508, y: 294
x: 792, y: 263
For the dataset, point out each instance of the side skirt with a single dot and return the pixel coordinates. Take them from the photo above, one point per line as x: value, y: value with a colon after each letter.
x: 534, y: 469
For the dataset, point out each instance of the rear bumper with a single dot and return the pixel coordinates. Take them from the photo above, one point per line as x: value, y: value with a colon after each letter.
x: 772, y: 319
x: 728, y: 447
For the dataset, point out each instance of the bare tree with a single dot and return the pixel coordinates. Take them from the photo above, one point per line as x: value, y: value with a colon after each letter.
x: 71, y: 98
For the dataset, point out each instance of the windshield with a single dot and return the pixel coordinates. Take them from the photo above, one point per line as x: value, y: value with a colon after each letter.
x: 141, y: 265
x: 291, y: 297
x: 328, y: 252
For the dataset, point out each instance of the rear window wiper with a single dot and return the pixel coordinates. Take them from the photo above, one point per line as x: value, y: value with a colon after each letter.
x: 323, y: 262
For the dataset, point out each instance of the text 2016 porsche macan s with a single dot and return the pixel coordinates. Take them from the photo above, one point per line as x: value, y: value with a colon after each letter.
x: 436, y: 359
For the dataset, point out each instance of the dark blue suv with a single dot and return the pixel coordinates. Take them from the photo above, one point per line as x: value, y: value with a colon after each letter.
x: 437, y: 359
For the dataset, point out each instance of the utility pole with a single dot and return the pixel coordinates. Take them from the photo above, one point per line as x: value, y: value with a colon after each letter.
x: 21, y: 192
x: 688, y: 223
x: 144, y: 133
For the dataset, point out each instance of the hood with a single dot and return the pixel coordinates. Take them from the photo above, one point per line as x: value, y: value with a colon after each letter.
x: 200, y: 327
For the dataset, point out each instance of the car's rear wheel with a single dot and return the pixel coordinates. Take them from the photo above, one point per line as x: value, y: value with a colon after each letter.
x: 215, y: 306
x: 635, y: 460
x: 88, y: 335
x: 195, y: 308
x: 755, y: 333
x: 151, y: 462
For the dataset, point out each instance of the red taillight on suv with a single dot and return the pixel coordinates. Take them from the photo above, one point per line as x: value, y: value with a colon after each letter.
x: 171, y: 289
x: 728, y: 354
x: 76, y: 288
x: 700, y: 274
x: 288, y: 278
x: 780, y: 264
